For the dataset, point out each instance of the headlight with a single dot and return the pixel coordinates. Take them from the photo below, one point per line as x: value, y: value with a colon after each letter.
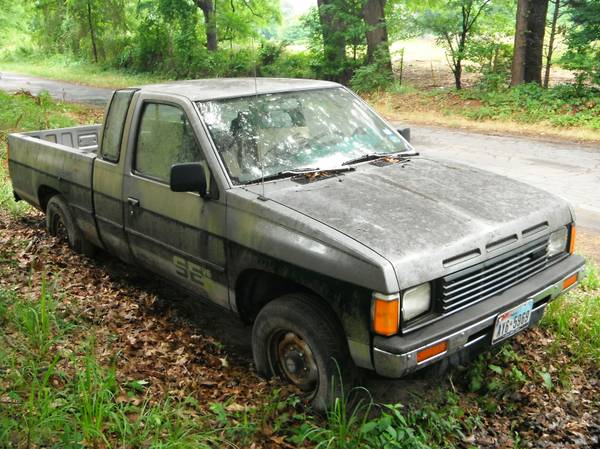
x: 416, y: 301
x: 558, y: 241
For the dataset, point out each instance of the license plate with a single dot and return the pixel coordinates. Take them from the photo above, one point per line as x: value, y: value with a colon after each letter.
x: 512, y: 321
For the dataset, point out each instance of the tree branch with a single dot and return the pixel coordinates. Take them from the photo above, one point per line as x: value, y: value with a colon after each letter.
x: 247, y: 4
x: 479, y: 11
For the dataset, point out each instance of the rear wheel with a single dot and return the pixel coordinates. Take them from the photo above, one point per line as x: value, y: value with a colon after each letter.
x: 61, y: 224
x: 299, y: 340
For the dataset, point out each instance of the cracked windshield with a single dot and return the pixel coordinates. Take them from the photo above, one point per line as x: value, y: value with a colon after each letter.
x: 271, y: 134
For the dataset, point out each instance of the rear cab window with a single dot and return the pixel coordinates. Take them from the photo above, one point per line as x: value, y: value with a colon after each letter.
x: 114, y: 125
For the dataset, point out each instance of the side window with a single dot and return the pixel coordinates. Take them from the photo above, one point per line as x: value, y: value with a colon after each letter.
x: 114, y: 123
x: 165, y: 137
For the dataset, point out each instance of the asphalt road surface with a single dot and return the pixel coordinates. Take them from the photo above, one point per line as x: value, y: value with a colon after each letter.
x: 59, y: 90
x: 567, y: 169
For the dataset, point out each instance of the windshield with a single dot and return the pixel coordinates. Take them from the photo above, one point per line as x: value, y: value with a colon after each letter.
x: 305, y: 130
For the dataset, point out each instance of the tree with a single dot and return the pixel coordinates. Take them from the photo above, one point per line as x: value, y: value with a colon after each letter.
x: 210, y: 23
x: 376, y: 33
x: 92, y: 27
x: 529, y: 42
x: 557, y: 5
x: 334, y: 39
x: 583, y: 52
x: 14, y: 23
x: 452, y: 23
x: 243, y: 20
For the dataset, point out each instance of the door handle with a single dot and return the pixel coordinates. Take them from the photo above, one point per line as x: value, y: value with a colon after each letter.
x: 133, y: 203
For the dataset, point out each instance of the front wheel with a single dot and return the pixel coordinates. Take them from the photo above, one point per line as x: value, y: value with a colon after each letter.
x: 299, y: 340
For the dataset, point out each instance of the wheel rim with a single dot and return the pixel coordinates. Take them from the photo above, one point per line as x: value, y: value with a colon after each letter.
x: 293, y: 360
x: 60, y: 230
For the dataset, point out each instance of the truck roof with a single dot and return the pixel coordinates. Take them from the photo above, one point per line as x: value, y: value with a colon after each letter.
x: 217, y: 88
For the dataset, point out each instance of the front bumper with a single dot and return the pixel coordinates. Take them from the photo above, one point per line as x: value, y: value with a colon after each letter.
x: 473, y: 327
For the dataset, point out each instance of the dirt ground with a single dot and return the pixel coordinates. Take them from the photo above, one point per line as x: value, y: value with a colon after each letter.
x: 425, y: 65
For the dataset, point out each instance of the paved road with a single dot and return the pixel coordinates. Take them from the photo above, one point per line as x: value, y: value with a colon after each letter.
x: 569, y: 170
x: 566, y: 169
x: 59, y: 90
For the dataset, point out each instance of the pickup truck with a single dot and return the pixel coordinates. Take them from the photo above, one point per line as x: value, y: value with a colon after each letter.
x: 294, y: 205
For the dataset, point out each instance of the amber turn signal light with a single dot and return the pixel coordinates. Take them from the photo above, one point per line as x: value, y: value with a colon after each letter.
x: 386, y: 313
x: 572, y: 239
x: 432, y: 351
x: 569, y: 281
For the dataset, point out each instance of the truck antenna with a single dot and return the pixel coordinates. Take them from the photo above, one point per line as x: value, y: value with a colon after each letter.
x: 262, y: 197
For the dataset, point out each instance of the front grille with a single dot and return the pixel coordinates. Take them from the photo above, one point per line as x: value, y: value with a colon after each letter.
x: 492, y: 277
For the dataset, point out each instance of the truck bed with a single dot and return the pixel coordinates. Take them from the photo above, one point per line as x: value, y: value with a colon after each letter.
x: 83, y: 138
x: 57, y: 160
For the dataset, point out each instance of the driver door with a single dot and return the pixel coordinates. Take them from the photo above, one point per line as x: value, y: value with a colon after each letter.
x: 178, y: 235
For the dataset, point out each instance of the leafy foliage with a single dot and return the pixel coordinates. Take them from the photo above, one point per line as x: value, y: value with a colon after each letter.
x: 562, y: 106
x: 453, y: 23
x: 583, y: 54
x: 372, y: 77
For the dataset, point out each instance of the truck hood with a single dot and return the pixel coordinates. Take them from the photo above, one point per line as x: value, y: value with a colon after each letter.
x: 427, y: 217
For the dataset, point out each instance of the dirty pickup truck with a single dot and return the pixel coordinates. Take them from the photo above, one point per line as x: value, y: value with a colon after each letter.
x: 294, y: 205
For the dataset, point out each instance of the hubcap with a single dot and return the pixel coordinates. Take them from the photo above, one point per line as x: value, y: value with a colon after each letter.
x: 295, y: 360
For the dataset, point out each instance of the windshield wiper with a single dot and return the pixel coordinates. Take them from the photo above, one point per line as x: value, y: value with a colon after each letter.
x: 374, y: 156
x: 299, y: 172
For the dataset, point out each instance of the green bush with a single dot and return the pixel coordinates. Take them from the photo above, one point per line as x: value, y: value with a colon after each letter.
x: 370, y: 78
x: 565, y: 105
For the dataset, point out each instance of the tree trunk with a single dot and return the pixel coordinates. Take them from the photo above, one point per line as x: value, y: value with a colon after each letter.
x: 529, y: 42
x: 210, y: 23
x: 92, y: 33
x: 334, y: 42
x: 377, y: 36
x: 518, y: 62
x: 458, y: 75
x: 534, y: 56
x: 555, y: 16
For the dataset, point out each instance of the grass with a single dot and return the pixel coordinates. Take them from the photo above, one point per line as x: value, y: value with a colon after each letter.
x: 63, y: 68
x: 575, y: 319
x: 56, y: 390
x: 24, y: 112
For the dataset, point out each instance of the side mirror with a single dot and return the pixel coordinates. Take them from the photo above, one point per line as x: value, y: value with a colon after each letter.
x: 404, y: 132
x: 189, y: 177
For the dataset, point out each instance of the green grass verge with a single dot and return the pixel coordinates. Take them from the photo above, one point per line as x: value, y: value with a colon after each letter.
x: 575, y: 318
x: 23, y: 112
x: 54, y: 392
x: 62, y: 68
x: 562, y: 107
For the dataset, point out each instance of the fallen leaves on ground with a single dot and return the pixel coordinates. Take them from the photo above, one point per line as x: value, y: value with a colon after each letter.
x: 165, y: 343
x: 139, y: 323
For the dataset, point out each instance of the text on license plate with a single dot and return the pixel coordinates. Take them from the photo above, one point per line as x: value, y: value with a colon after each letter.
x: 512, y: 321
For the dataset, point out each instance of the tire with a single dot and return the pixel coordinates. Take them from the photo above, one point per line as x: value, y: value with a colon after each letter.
x: 60, y: 223
x: 299, y: 340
